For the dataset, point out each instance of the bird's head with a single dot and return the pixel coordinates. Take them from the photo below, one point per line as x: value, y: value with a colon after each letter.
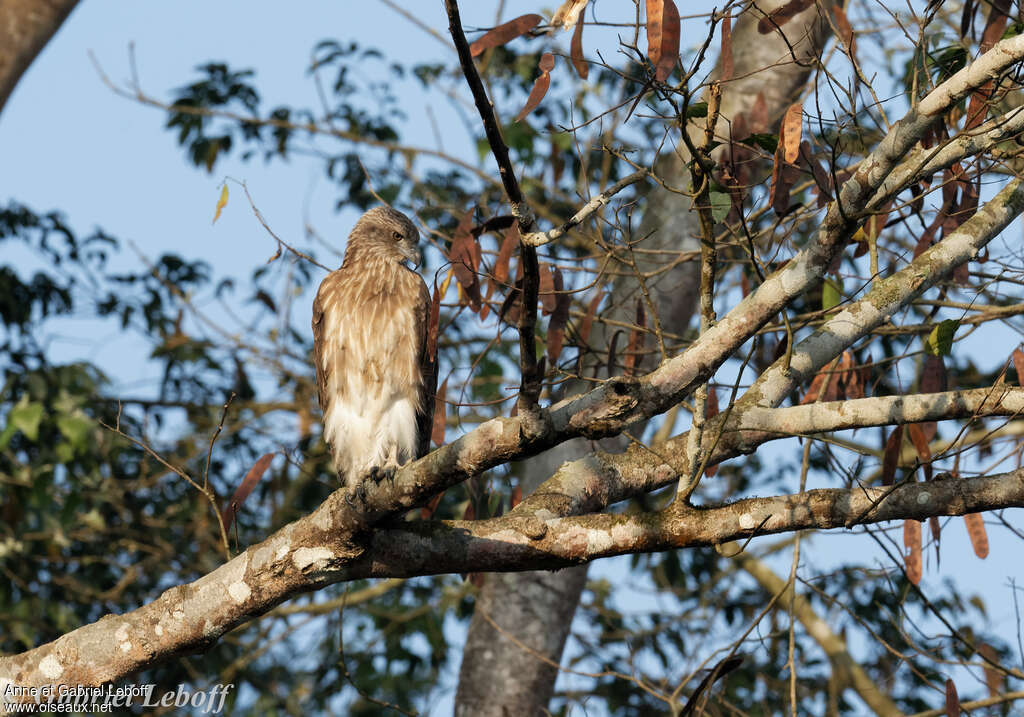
x: 388, y: 232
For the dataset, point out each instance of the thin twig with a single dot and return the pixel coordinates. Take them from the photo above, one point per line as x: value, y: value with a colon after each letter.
x: 701, y: 185
x: 280, y: 242
x: 411, y: 17
x: 213, y: 439
x: 805, y: 465
x: 178, y: 471
x: 531, y: 379
x: 585, y: 212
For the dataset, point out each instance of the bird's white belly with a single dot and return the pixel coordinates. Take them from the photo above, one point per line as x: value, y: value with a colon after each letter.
x: 370, y: 430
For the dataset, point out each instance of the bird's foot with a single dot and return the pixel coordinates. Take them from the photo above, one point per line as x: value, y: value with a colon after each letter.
x: 357, y: 492
x: 377, y: 473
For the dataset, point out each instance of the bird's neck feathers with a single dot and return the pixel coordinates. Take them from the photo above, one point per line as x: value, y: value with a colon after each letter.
x: 372, y: 253
x: 378, y: 266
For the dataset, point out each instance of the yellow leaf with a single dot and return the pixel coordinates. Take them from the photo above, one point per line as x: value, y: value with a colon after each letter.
x: 222, y: 202
x: 446, y: 282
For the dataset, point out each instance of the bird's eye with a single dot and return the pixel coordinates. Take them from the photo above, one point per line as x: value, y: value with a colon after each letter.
x: 397, y: 236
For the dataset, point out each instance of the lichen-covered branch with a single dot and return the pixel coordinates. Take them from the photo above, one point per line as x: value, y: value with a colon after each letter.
x: 887, y: 297
x: 305, y: 556
x: 601, y: 479
x: 920, y: 163
x: 517, y: 542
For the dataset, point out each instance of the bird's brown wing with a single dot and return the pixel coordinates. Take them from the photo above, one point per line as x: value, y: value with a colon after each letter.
x: 428, y: 372
x: 318, y: 348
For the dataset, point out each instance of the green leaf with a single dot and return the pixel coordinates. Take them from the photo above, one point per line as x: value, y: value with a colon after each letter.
x: 25, y: 417
x: 482, y: 148
x: 75, y: 427
x: 940, y: 340
x: 65, y: 453
x: 831, y: 293
x: 697, y: 109
x: 519, y: 136
x: 562, y: 141
x: 721, y: 203
x: 767, y: 142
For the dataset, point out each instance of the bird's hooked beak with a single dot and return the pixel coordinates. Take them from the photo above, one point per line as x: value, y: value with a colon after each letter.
x: 411, y: 253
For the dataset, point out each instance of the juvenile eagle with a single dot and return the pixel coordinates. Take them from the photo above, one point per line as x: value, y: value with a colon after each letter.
x: 375, y: 379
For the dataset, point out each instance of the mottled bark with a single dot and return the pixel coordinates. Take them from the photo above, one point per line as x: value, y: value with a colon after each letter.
x: 25, y: 28
x: 517, y: 634
x: 306, y: 555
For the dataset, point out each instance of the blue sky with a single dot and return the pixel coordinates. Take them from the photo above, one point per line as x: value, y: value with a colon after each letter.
x: 68, y: 142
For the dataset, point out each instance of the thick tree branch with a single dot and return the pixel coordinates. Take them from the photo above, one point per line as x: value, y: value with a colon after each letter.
x: 602, y: 479
x: 306, y: 556
x: 1002, y: 400
x: 920, y: 163
x: 514, y: 542
x: 887, y: 297
x: 25, y: 28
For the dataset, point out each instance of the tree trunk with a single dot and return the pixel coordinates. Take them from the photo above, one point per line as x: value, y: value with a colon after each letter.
x: 511, y: 670
x: 25, y: 28
x: 515, y: 641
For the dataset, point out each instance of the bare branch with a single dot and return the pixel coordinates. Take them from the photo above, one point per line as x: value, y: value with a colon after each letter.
x: 307, y: 555
x: 585, y: 212
x: 601, y: 479
x: 530, y: 387
x: 833, y: 645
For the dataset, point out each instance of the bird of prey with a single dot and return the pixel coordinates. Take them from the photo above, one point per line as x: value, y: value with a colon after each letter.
x: 376, y: 382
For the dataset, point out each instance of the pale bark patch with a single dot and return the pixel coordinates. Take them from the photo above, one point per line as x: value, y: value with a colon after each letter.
x: 50, y: 667
x: 239, y: 591
x: 304, y: 557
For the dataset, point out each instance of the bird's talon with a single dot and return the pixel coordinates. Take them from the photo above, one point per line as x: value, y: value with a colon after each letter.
x: 351, y: 503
